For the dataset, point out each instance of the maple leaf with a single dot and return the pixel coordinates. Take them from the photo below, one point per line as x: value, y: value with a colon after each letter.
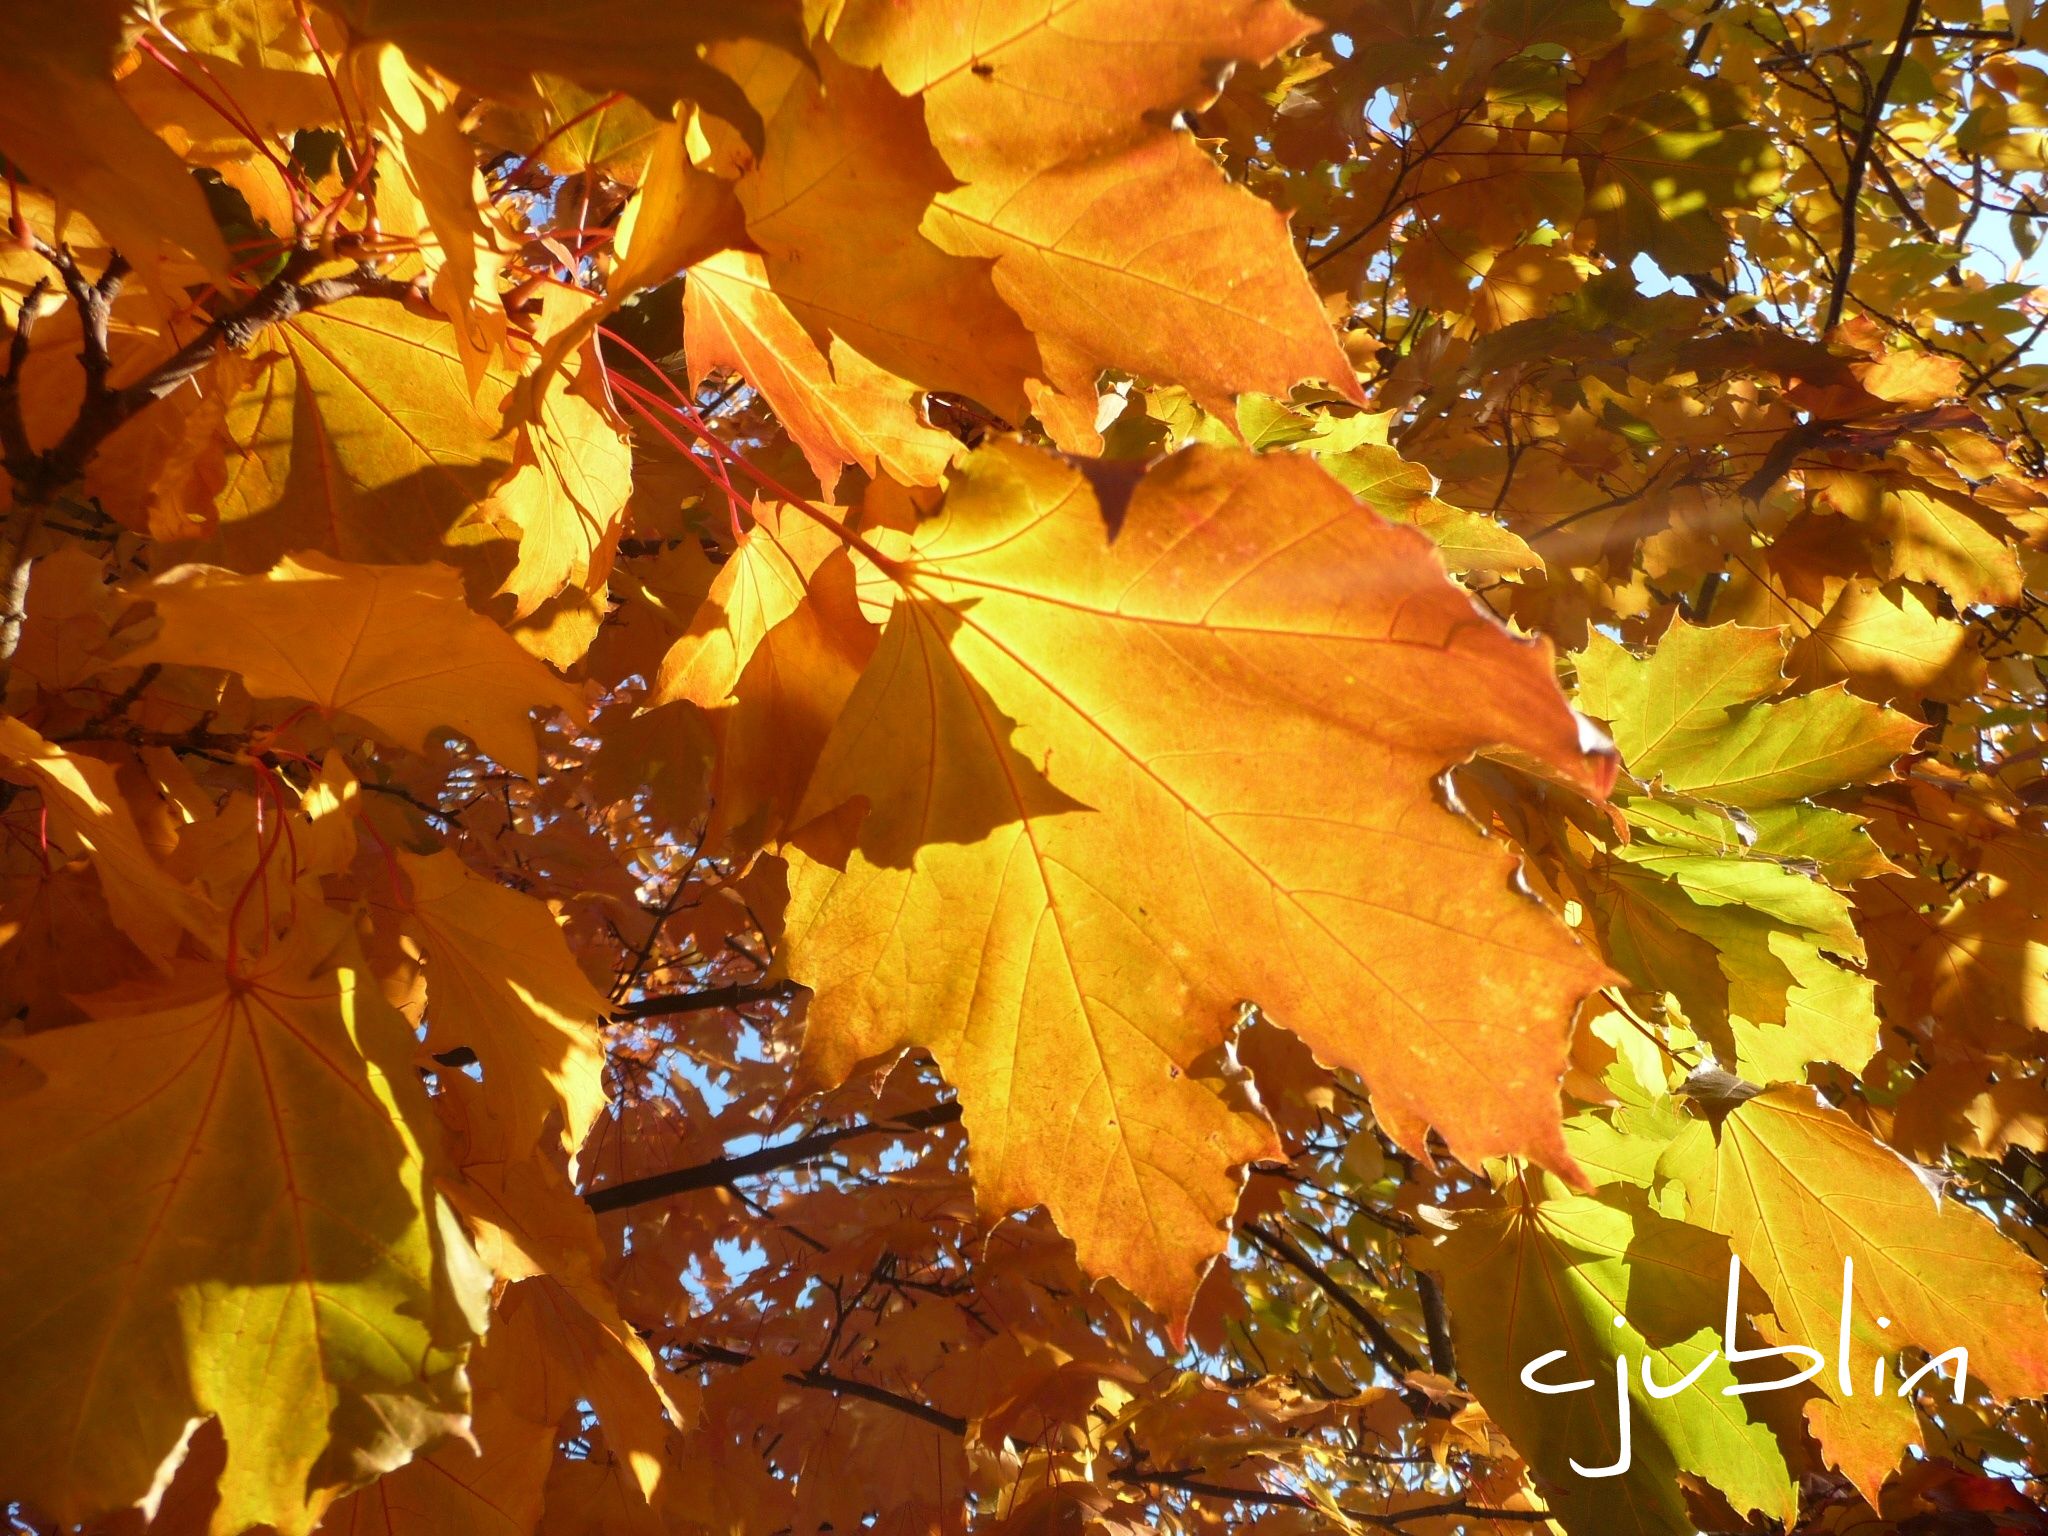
x: 1888, y: 643
x: 63, y: 122
x: 840, y: 411
x: 501, y: 980
x: 431, y: 157
x: 261, y: 1237
x: 1608, y: 1285
x: 1696, y: 717
x: 792, y: 693
x: 616, y: 45
x: 755, y: 590
x: 497, y: 1484
x: 1121, y: 806
x: 682, y: 215
x: 572, y: 475
x: 1932, y: 532
x: 145, y: 900
x: 1040, y: 698
x: 835, y: 203
x: 1359, y: 457
x: 355, y: 432
x: 1006, y: 84
x: 393, y: 646
x: 574, y: 129
x: 1152, y: 263
x: 1118, y: 244
x: 264, y: 58
x: 1984, y: 955
x: 1738, y: 920
x: 1784, y: 1166
x: 1662, y: 160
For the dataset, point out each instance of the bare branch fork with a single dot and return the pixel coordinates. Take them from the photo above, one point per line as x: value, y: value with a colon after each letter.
x: 39, y: 475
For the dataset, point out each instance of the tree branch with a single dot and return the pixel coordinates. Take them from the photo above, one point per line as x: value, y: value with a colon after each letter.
x: 106, y: 410
x: 1189, y: 1482
x: 666, y: 1004
x: 1436, y: 1322
x: 16, y: 451
x: 844, y: 1386
x: 40, y: 475
x: 1701, y: 33
x: 1450, y: 1509
x: 1392, y: 1350
x: 721, y: 1171
x: 1859, y: 160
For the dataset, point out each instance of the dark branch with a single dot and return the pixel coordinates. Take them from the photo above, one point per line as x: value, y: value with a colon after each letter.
x: 39, y: 476
x: 105, y: 410
x: 1391, y: 1350
x: 1970, y: 34
x: 1189, y: 1482
x: 1701, y: 33
x: 844, y: 1386
x: 721, y: 1171
x: 1449, y: 1509
x: 1436, y: 1322
x: 1859, y: 160
x: 667, y: 1004
x: 15, y: 447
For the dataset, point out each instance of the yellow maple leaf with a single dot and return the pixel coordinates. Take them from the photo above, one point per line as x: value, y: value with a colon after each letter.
x: 1117, y: 789
x: 1798, y: 1188
x: 62, y: 121
x: 260, y: 1246
x: 501, y: 980
x: 841, y: 411
x: 87, y: 809
x: 396, y: 647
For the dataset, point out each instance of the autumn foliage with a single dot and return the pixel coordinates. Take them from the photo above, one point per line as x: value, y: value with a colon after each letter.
x: 1038, y: 767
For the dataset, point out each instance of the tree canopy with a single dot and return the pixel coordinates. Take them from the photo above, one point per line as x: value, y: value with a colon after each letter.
x: 1188, y: 765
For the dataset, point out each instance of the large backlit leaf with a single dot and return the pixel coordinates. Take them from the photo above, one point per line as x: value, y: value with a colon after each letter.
x: 394, y: 646
x: 501, y: 980
x: 1612, y: 1285
x: 1799, y: 1189
x: 261, y: 1245
x: 355, y: 432
x: 64, y: 124
x: 1117, y: 788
